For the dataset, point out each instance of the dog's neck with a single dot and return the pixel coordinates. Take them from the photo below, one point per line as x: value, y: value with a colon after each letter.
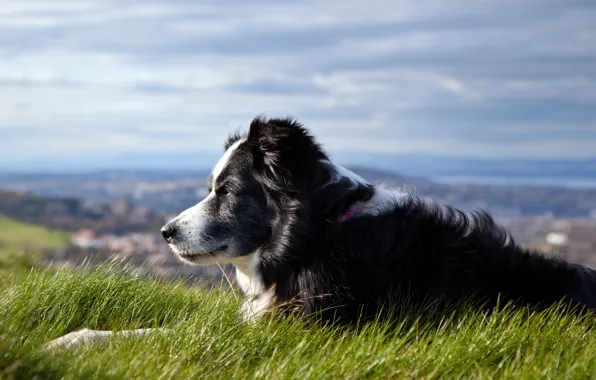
x: 380, y: 200
x: 247, y: 274
x: 258, y: 289
x: 258, y: 298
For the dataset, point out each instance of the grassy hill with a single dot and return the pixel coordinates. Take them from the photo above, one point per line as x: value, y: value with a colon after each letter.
x: 208, y: 341
x: 22, y: 244
x: 14, y: 234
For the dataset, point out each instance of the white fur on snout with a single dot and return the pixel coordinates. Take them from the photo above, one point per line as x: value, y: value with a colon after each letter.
x: 192, y: 223
x: 195, y: 216
x: 190, y: 226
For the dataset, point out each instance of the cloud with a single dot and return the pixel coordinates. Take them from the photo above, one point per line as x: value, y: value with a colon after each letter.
x: 82, y: 77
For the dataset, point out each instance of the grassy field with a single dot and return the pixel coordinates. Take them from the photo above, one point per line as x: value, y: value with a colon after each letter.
x: 21, y: 246
x: 14, y: 234
x: 208, y: 341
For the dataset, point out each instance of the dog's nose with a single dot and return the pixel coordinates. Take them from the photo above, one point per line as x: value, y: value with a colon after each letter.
x: 168, y: 232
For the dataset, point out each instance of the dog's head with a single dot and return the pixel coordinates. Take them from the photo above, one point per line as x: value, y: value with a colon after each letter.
x: 276, y: 165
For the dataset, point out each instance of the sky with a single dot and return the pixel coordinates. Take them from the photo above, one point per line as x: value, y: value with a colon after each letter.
x: 93, y: 83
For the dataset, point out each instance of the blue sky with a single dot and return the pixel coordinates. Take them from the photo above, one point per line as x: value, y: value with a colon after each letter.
x: 99, y: 81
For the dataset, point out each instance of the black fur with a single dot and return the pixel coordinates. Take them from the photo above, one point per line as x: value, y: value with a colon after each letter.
x: 232, y: 138
x: 347, y: 270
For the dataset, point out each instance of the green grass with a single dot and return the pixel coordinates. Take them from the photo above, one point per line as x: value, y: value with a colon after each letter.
x: 14, y: 234
x: 22, y: 245
x: 208, y: 341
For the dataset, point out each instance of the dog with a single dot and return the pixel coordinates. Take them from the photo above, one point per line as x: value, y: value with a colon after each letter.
x: 309, y: 237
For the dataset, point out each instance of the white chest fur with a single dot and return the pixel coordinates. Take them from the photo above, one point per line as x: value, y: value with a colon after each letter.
x: 258, y: 299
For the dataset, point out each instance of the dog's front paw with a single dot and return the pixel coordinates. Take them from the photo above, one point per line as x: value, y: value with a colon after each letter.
x: 73, y: 339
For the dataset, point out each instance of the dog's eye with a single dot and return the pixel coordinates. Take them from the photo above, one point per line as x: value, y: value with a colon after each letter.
x: 221, y: 191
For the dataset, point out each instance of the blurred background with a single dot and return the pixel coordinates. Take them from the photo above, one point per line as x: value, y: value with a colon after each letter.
x: 113, y: 112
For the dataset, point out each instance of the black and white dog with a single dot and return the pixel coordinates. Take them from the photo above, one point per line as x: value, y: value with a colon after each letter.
x: 306, y: 233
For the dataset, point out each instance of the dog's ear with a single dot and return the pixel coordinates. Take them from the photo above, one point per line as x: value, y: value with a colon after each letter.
x: 286, y: 155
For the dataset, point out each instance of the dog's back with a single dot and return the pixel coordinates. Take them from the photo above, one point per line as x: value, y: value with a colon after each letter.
x: 423, y: 252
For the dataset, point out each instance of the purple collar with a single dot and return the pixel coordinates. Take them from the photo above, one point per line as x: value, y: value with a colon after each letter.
x: 352, y: 212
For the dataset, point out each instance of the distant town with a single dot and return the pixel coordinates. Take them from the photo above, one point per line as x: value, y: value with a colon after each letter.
x: 117, y: 216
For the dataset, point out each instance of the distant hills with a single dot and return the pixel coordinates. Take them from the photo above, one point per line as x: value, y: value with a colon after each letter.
x: 172, y: 191
x: 71, y: 214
